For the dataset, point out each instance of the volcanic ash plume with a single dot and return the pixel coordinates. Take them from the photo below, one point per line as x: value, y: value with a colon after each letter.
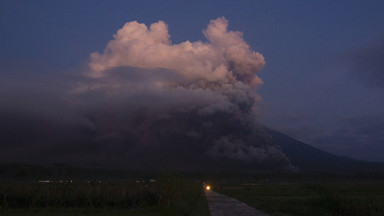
x: 155, y: 89
x: 220, y: 73
x: 225, y: 59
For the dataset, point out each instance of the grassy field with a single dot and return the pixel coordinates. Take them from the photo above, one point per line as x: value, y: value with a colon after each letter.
x: 359, y: 198
x: 173, y: 195
x: 169, y: 195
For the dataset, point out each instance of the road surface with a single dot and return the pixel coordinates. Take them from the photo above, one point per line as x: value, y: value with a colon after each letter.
x: 221, y: 205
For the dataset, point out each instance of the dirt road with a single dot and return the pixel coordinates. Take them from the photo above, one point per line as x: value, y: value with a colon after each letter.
x: 221, y: 205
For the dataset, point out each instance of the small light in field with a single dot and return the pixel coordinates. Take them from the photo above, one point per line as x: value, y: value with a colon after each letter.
x: 208, y: 187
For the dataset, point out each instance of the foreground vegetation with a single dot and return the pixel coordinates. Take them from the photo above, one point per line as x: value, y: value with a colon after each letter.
x: 169, y: 195
x: 355, y: 198
x: 278, y: 194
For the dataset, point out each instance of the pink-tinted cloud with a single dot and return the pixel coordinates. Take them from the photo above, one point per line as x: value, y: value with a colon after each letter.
x: 217, y: 75
x: 225, y: 58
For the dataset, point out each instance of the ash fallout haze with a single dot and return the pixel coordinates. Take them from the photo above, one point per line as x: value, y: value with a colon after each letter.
x: 191, y: 85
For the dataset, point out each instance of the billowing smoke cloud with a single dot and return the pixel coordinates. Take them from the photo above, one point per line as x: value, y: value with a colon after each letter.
x: 209, y: 86
x: 220, y: 74
x: 225, y: 59
x: 240, y: 150
x: 147, y: 103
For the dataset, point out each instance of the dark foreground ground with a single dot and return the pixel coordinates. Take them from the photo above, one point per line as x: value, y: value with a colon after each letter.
x: 168, y: 195
x: 174, y: 194
x: 318, y: 196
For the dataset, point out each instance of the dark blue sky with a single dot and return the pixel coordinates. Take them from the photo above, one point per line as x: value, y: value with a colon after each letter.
x: 323, y: 79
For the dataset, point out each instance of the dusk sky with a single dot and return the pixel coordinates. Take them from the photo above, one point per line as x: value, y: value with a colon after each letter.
x: 319, y: 65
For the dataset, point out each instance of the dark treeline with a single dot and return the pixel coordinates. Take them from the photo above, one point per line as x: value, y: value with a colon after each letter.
x: 31, y: 173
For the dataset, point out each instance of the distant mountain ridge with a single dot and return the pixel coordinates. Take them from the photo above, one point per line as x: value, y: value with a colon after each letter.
x: 309, y: 158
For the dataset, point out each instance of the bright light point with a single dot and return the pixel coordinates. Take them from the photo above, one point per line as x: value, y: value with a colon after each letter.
x: 208, y: 187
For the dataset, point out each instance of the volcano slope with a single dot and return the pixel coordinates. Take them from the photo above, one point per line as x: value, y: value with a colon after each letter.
x: 223, y: 141
x: 185, y: 141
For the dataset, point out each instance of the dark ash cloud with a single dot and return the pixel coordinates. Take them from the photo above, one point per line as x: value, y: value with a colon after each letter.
x: 368, y: 64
